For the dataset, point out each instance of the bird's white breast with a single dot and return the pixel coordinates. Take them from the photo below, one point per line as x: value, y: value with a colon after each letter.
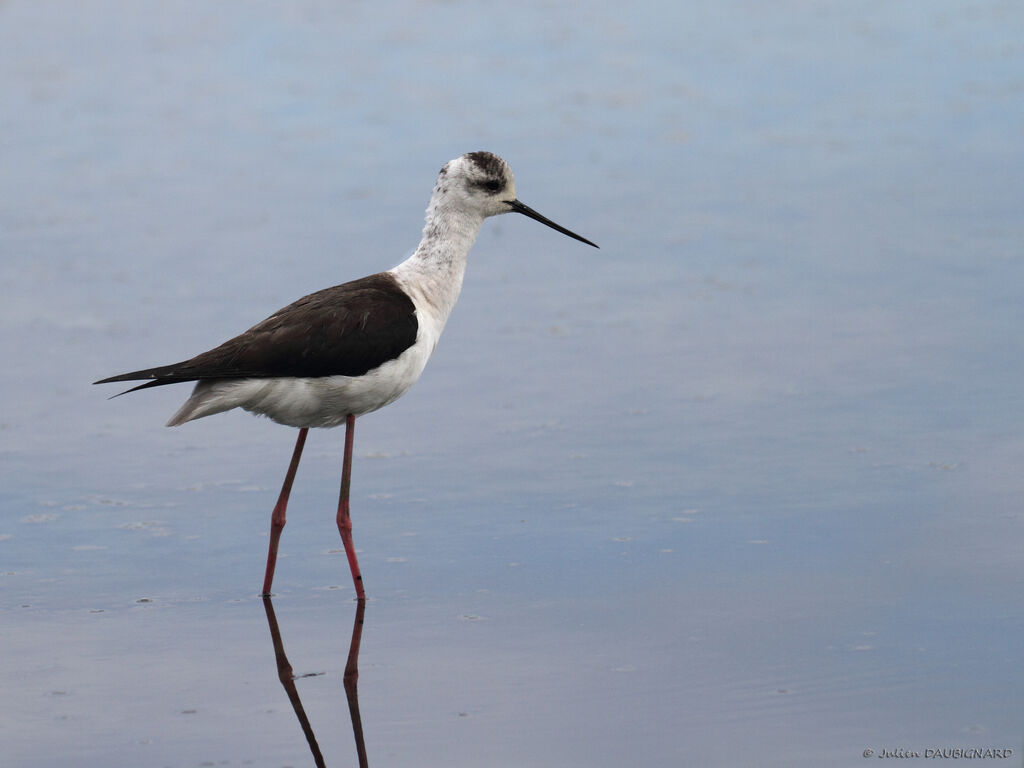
x: 326, y: 401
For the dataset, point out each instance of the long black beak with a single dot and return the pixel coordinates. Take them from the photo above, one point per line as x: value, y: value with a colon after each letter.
x: 526, y: 210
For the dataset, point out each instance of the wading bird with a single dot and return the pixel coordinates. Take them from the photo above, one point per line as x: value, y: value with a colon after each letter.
x: 348, y: 350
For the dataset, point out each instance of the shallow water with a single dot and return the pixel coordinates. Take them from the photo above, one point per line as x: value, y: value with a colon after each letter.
x: 741, y: 488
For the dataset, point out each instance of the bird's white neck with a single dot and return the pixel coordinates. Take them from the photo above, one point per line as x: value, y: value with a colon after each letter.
x: 435, y: 270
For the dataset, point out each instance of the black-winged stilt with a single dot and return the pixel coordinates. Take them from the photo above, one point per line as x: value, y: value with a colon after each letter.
x: 348, y: 350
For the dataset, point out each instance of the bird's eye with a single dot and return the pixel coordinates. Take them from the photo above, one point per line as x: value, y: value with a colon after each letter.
x: 493, y: 185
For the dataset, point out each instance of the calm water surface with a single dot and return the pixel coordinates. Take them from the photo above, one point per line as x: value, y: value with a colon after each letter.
x: 741, y: 488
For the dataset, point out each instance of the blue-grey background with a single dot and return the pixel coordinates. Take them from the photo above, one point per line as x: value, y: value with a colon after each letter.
x: 741, y: 488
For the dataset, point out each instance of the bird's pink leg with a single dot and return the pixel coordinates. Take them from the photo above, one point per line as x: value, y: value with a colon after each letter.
x: 344, y: 520
x: 277, y: 518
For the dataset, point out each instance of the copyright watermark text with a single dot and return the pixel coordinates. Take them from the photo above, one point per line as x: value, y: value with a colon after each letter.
x: 940, y: 753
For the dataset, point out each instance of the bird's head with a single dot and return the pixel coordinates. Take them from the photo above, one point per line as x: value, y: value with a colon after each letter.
x: 482, y: 183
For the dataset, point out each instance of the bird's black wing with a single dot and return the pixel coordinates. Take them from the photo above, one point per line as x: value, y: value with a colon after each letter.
x: 345, y: 330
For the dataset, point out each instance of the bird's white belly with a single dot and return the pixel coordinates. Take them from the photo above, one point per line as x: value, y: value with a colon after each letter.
x: 312, y: 402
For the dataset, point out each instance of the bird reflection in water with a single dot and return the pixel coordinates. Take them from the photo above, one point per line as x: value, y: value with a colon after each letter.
x: 287, y: 678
